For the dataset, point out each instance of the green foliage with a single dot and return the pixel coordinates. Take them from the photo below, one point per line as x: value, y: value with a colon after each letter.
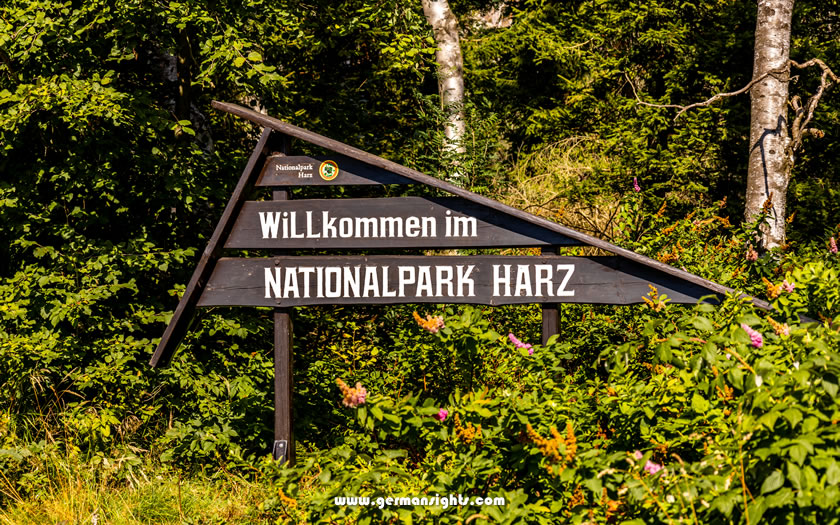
x: 113, y: 172
x: 738, y: 429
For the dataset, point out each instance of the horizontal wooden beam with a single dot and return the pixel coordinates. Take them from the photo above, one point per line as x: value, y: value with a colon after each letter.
x: 478, y: 279
x: 399, y: 222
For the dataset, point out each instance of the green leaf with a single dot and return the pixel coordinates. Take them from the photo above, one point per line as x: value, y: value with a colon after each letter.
x: 780, y: 498
x: 832, y: 473
x: 793, y: 416
x: 775, y: 480
x: 798, y: 453
x: 238, y: 61
x: 699, y: 404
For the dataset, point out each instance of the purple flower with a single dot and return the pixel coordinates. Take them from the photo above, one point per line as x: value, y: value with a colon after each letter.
x: 755, y: 337
x: 519, y: 344
x: 441, y: 415
x: 832, y: 245
x: 788, y: 287
x: 638, y: 454
x: 652, y: 468
x: 636, y: 186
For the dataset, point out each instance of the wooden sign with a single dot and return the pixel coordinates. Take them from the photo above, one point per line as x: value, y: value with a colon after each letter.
x: 402, y: 222
x: 466, y: 221
x: 333, y: 170
x: 287, y: 281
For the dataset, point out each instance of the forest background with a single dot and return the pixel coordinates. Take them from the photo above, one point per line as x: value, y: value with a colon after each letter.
x: 114, y: 170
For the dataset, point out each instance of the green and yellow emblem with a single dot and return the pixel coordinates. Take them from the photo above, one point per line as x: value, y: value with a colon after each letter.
x: 328, y: 170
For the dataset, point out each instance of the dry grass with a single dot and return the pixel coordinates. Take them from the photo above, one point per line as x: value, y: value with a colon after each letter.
x: 160, y: 499
x: 548, y: 182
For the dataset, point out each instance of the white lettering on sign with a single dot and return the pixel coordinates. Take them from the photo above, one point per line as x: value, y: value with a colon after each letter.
x: 310, y: 225
x: 361, y: 281
x: 543, y: 283
x: 561, y: 290
x: 304, y: 171
x: 461, y: 226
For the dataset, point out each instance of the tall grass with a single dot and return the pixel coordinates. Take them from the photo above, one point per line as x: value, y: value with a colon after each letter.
x: 562, y: 182
x: 75, y: 493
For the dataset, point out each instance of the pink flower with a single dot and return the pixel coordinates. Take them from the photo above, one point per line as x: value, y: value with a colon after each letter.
x: 638, y: 454
x: 441, y: 415
x: 832, y: 245
x: 432, y: 324
x: 752, y: 255
x: 636, y: 186
x: 352, y: 397
x: 652, y: 468
x: 519, y: 344
x: 788, y: 287
x: 755, y: 336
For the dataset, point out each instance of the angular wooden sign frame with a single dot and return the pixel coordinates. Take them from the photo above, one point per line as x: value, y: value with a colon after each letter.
x: 463, y: 220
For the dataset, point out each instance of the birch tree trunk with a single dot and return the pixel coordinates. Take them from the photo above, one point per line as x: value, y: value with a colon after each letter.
x: 771, y: 157
x: 450, y: 71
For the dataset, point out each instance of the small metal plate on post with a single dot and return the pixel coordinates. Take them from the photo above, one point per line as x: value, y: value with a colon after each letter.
x: 281, y: 451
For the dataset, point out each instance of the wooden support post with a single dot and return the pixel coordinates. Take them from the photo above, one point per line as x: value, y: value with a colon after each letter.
x: 550, y: 311
x: 284, y: 440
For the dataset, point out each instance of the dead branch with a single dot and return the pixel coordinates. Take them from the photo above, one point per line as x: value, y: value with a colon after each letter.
x: 804, y: 114
x: 710, y: 101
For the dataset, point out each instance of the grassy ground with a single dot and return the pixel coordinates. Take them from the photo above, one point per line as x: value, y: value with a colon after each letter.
x: 156, y: 499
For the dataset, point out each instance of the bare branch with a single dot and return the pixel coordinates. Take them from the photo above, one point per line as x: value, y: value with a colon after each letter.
x: 799, y: 128
x: 710, y: 101
x: 803, y: 114
x: 642, y: 102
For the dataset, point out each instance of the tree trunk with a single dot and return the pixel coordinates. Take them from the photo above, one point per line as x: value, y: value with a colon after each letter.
x: 450, y: 71
x: 771, y: 158
x: 184, y: 56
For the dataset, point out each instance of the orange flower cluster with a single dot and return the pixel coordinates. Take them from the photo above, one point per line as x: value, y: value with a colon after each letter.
x: 780, y: 328
x: 768, y: 204
x: 286, y: 500
x: 726, y: 393
x: 724, y: 221
x: 550, y: 448
x: 577, y: 497
x: 466, y: 433
x: 773, y: 290
x: 661, y: 211
x: 432, y: 324
x: 668, y: 257
x: 653, y: 300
